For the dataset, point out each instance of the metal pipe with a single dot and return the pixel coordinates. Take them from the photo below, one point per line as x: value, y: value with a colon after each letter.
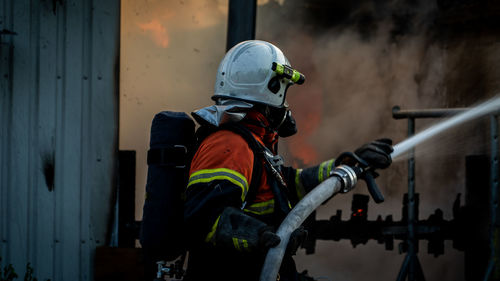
x: 494, y: 194
x: 398, y: 113
x: 489, y: 107
x: 241, y: 21
x: 403, y: 272
x: 411, y: 205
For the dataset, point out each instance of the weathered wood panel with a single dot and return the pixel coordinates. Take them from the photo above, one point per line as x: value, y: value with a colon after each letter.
x: 5, y: 86
x: 58, y: 102
x: 19, y: 133
x: 47, y: 120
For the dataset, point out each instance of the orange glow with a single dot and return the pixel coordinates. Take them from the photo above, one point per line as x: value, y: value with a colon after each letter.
x: 308, y: 114
x: 158, y: 32
x: 304, y: 151
x: 360, y: 210
x: 306, y: 102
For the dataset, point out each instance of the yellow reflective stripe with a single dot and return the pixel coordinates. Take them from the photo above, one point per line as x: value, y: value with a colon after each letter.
x: 301, y: 192
x: 236, y: 244
x: 320, y: 174
x: 261, y: 208
x: 325, y: 173
x: 210, y: 235
x: 208, y: 175
x: 330, y: 166
x: 263, y: 204
x: 245, y: 244
x: 298, y: 182
x: 240, y: 244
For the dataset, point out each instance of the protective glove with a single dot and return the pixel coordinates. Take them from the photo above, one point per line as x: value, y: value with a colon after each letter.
x: 377, y: 154
x: 268, y: 239
x: 297, y: 238
x: 237, y: 230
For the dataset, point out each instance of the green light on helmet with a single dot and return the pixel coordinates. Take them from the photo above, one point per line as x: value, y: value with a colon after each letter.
x: 288, y: 72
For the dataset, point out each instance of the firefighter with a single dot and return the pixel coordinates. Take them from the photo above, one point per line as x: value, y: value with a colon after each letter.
x: 239, y: 191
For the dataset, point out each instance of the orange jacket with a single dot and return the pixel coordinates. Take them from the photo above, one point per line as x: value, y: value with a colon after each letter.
x: 228, y: 150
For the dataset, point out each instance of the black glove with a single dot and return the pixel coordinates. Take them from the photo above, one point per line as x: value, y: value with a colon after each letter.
x: 268, y: 239
x: 237, y: 230
x: 297, y: 237
x: 377, y: 154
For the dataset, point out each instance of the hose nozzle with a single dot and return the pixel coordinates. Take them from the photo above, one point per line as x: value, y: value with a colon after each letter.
x: 348, y: 176
x: 363, y: 171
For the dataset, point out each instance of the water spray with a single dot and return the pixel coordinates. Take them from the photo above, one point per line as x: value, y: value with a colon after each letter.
x: 343, y: 178
x: 488, y: 107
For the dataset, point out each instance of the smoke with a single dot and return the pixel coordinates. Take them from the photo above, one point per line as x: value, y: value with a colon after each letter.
x: 360, y: 59
x: 355, y: 75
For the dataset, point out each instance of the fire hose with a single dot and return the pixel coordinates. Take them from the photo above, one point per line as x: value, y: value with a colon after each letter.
x: 343, y: 178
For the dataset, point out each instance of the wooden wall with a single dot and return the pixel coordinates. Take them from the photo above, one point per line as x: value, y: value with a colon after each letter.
x: 58, y: 133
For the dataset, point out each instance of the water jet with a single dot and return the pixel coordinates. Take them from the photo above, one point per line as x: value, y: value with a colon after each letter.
x: 462, y: 116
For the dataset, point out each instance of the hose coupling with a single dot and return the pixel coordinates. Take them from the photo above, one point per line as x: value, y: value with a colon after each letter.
x: 347, y: 176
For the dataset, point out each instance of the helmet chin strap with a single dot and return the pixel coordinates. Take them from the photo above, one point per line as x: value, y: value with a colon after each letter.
x: 282, y: 119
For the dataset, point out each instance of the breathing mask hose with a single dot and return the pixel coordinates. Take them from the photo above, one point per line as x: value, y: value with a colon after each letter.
x: 343, y: 179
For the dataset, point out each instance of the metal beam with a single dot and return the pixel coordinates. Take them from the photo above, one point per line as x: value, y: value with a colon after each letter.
x: 241, y: 21
x: 397, y: 113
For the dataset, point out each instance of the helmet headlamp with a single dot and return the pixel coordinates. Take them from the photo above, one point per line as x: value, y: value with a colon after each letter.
x: 289, y: 73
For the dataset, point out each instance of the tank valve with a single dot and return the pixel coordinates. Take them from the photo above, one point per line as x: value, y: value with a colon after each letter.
x: 171, y: 270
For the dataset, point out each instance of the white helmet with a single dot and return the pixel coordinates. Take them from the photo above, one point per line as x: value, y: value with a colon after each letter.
x: 255, y: 71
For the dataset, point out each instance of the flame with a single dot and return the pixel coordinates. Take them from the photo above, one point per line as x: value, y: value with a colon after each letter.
x: 158, y: 32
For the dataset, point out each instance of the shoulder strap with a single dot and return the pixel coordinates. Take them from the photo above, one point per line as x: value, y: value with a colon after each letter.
x: 259, y: 152
x: 256, y: 147
x: 272, y: 165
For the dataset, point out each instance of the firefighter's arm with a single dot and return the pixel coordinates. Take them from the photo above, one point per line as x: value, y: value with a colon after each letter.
x: 216, y: 220
x: 377, y: 154
x: 301, y: 181
x: 205, y: 201
x: 213, y: 206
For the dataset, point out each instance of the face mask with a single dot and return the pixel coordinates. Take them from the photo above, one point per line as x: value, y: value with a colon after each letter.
x: 275, y: 116
x: 288, y: 127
